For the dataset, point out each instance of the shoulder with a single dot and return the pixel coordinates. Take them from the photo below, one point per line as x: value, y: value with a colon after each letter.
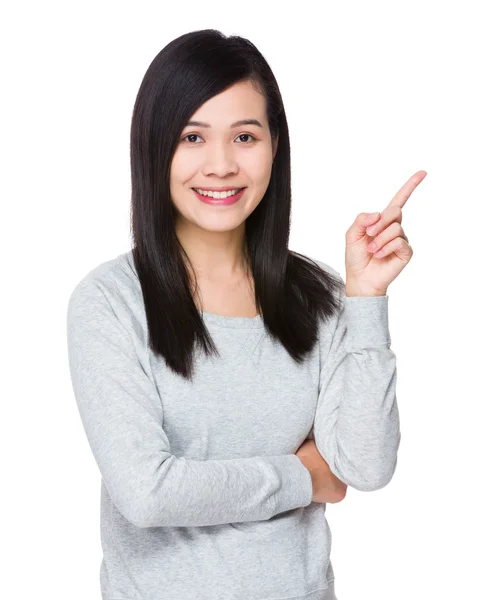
x: 102, y: 280
x: 327, y: 267
x: 337, y: 288
x: 109, y: 298
x: 323, y: 265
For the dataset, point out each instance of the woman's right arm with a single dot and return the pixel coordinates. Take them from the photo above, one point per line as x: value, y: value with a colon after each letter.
x: 327, y: 487
x: 122, y: 416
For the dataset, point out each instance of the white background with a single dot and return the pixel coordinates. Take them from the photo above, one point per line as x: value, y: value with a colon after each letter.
x: 373, y: 91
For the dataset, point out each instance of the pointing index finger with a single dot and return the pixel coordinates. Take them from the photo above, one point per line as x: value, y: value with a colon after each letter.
x: 406, y: 190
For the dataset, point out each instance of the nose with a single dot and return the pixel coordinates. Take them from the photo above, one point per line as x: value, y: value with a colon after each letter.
x: 220, y: 160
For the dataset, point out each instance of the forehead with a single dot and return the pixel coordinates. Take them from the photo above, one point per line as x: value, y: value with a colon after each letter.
x: 240, y: 101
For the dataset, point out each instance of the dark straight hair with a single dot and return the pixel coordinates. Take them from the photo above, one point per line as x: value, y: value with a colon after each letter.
x: 292, y: 292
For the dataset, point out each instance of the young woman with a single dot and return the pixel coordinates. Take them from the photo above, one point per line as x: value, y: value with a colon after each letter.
x: 229, y: 387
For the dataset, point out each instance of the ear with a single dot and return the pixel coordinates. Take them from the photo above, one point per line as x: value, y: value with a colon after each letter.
x: 275, y: 147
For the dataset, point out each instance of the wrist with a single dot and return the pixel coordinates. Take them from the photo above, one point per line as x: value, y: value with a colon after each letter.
x: 352, y: 291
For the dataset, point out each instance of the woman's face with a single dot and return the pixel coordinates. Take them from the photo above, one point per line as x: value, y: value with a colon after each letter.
x: 219, y: 155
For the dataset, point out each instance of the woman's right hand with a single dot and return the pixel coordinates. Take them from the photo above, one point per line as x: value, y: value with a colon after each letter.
x: 326, y: 486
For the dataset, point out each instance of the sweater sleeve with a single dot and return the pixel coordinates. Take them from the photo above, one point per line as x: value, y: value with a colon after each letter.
x: 356, y: 426
x: 122, y: 414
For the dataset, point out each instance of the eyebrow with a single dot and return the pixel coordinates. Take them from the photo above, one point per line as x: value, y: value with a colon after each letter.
x: 235, y: 124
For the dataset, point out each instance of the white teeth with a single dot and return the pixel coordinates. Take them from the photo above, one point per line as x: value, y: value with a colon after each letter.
x: 218, y: 194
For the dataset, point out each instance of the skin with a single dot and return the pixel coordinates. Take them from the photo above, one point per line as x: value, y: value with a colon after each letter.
x: 371, y: 268
x: 326, y: 486
x: 218, y: 156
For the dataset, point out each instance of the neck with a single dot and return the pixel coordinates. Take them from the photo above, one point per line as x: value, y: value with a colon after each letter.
x: 214, y: 255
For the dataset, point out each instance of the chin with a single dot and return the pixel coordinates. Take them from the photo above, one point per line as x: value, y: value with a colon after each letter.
x: 220, y: 225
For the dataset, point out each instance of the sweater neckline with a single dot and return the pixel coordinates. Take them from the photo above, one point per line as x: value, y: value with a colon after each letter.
x: 233, y: 322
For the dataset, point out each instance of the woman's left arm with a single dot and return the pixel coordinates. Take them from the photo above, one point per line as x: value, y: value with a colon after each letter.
x: 356, y: 426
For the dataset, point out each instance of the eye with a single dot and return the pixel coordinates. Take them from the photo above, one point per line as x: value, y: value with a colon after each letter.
x: 190, y: 135
x: 247, y: 134
x: 193, y: 135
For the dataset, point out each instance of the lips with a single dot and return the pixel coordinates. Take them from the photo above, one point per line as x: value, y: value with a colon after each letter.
x: 220, y: 201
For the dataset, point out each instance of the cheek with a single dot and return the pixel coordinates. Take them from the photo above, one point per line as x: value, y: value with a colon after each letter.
x: 182, y: 169
x: 258, y: 166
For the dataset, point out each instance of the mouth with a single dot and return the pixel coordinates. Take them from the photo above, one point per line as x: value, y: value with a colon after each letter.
x: 219, y: 190
x: 220, y: 198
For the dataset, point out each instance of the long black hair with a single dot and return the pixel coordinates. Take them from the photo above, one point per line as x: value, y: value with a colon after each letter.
x: 292, y: 292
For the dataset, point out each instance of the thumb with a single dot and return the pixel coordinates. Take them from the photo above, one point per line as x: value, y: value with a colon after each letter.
x: 357, y: 230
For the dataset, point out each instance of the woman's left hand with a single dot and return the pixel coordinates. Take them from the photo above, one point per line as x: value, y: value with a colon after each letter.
x: 369, y: 271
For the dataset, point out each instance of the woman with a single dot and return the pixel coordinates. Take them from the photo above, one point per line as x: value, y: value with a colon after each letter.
x: 205, y: 360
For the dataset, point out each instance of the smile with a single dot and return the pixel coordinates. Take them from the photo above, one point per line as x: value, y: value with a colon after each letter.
x: 219, y: 198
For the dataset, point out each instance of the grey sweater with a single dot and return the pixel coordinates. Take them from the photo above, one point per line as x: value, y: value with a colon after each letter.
x: 202, y: 495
